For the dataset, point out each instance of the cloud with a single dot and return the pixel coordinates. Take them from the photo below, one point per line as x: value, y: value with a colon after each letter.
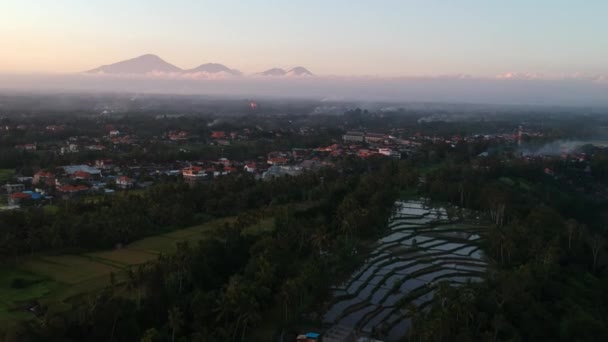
x: 567, y: 90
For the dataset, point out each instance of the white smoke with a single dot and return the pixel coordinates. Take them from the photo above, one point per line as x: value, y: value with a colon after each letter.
x: 554, y: 148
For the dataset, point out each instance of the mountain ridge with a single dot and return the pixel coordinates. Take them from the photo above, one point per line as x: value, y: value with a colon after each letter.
x: 150, y: 64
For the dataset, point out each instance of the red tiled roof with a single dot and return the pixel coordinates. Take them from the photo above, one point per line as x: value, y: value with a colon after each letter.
x: 72, y: 188
x: 43, y: 174
x: 82, y: 174
x: 277, y: 160
x: 20, y: 195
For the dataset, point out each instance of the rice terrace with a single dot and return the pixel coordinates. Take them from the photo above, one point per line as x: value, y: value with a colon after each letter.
x: 424, y: 246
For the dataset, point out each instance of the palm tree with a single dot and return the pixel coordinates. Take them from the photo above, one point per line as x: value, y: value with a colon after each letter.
x: 150, y: 335
x: 176, y: 320
x: 134, y: 282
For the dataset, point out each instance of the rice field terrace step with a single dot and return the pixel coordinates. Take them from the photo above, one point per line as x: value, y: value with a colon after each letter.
x: 336, y: 310
x: 363, y: 288
x: 412, y: 204
x: 398, y: 331
x: 352, y: 319
x: 413, y: 220
x: 461, y: 260
x: 422, y: 280
x: 465, y: 267
x: 405, y: 224
x: 373, y: 319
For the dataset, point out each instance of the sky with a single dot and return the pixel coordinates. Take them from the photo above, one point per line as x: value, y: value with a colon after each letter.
x: 329, y: 37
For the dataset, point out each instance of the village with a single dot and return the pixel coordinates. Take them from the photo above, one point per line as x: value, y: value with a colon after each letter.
x: 107, y: 159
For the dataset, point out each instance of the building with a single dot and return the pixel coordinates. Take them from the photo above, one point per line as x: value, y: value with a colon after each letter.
x: 125, y: 182
x: 278, y: 171
x: 218, y: 134
x: 72, y: 189
x: 251, y: 167
x: 193, y: 174
x: 179, y: 135
x: 11, y: 188
x: 354, y: 137
x: 104, y: 164
x: 375, y: 137
x: 43, y: 178
x: 81, y: 175
x: 71, y: 170
x: 16, y: 197
x: 277, y: 161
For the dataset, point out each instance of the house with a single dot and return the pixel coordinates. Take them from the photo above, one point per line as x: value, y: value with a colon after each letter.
x: 71, y: 170
x: 104, y: 164
x: 11, y: 188
x: 193, y: 174
x: 16, y: 197
x: 230, y: 169
x: 364, y: 153
x: 193, y: 171
x: 385, y: 151
x: 43, y: 177
x: 125, y: 182
x: 178, y: 135
x: 277, y: 161
x: 218, y: 134
x: 251, y: 167
x: 330, y: 148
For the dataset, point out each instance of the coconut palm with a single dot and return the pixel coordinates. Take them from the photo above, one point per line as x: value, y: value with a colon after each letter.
x: 176, y: 321
x: 150, y: 335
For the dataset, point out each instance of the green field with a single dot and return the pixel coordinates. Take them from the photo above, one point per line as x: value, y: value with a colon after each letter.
x: 6, y: 175
x: 264, y: 226
x: 52, y: 280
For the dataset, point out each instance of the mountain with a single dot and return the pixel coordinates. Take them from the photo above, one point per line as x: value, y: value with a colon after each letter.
x: 152, y: 64
x: 213, y: 68
x: 144, y: 64
x: 297, y: 71
x: 273, y: 72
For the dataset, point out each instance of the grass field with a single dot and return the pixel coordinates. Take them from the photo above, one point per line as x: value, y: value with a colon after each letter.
x: 52, y: 280
x: 265, y: 225
x: 6, y: 175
